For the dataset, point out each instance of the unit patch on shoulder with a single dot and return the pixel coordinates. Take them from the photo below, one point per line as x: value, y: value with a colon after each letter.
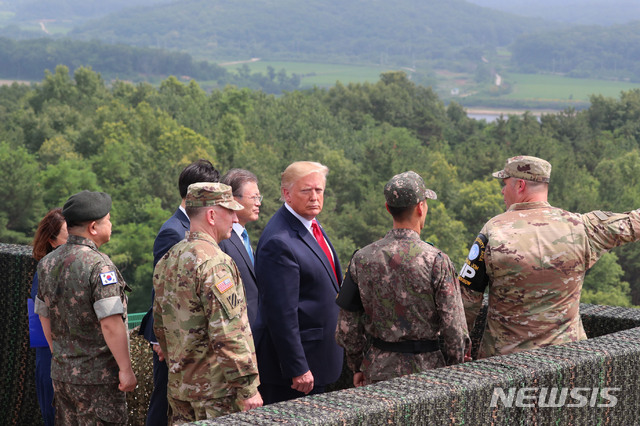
x: 474, y: 271
x: 108, y: 278
x: 233, y: 300
x: 227, y: 293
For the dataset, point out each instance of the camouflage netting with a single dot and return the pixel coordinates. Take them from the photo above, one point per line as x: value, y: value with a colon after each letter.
x: 452, y: 395
x: 18, y: 401
x: 463, y: 394
x: 141, y: 360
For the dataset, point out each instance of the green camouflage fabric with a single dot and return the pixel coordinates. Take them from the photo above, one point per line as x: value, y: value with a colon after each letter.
x: 89, y: 404
x: 200, y: 320
x: 190, y: 411
x: 536, y: 257
x: 409, y: 291
x: 406, y: 189
x: 79, y: 286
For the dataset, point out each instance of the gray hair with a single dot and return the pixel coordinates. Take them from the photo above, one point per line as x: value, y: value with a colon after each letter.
x: 236, y: 178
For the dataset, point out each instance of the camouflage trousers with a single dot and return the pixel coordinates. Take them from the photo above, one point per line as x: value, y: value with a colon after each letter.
x: 89, y: 404
x: 191, y: 411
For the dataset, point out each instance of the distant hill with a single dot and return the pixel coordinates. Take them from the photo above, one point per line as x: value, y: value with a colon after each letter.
x: 584, y: 12
x: 583, y: 51
x: 28, y: 60
x: 401, y: 31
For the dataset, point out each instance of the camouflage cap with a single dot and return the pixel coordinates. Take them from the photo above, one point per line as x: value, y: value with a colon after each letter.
x: 525, y: 167
x: 86, y: 206
x: 204, y: 194
x: 406, y: 189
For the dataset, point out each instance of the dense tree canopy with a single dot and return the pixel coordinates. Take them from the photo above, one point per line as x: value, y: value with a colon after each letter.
x: 26, y: 60
x: 72, y: 132
x: 330, y: 30
x: 582, y: 51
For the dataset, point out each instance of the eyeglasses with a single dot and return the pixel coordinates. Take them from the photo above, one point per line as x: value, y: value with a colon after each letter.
x: 255, y: 198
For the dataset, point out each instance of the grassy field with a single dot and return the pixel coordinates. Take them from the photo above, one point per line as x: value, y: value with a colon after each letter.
x: 525, y: 86
x: 552, y: 87
x: 321, y: 75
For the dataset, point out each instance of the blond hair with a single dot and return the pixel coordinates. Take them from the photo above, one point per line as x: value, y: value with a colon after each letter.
x: 300, y: 169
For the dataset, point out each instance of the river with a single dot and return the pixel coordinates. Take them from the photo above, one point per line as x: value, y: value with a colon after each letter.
x: 491, y: 115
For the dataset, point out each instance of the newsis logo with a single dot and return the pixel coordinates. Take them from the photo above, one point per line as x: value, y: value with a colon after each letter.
x: 555, y: 397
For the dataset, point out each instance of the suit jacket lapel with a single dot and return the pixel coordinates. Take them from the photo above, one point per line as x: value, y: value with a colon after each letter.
x: 184, y: 219
x: 236, y: 241
x: 310, y: 241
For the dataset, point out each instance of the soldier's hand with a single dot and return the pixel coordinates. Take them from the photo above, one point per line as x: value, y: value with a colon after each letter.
x: 303, y: 383
x: 358, y: 379
x: 249, y: 403
x: 467, y: 355
x: 158, y: 350
x: 128, y: 380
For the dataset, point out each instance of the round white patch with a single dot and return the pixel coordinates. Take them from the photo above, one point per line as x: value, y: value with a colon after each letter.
x: 474, y: 252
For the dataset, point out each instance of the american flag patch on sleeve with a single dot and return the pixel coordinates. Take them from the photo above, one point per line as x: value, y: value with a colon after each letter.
x: 224, y: 285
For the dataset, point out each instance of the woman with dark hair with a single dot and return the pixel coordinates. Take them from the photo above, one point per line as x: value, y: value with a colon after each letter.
x: 51, y: 233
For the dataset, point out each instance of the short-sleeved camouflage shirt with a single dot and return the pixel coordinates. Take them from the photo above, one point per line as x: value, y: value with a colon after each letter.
x: 200, y: 320
x: 79, y: 286
x: 409, y: 292
x: 536, y: 257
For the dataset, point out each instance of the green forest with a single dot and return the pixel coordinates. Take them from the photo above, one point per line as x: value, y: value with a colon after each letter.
x: 73, y: 132
x: 400, y: 32
x: 459, y: 48
x: 583, y: 51
x: 25, y: 59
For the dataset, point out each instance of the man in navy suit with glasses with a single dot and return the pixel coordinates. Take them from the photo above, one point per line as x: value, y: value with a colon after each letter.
x: 244, y: 186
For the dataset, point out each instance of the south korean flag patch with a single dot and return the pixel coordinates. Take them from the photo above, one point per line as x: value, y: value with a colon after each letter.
x: 108, y: 278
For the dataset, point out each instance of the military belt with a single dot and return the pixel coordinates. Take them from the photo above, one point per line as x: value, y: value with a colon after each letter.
x: 406, y: 346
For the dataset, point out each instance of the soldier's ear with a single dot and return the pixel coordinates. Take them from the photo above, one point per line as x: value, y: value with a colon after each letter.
x: 422, y: 208
x: 91, y: 228
x: 522, y: 184
x: 211, y: 216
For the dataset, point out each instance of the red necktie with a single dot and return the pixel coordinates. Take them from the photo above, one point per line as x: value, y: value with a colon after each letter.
x: 317, y: 233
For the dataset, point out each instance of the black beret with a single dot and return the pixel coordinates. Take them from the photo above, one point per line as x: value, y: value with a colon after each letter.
x: 86, y: 206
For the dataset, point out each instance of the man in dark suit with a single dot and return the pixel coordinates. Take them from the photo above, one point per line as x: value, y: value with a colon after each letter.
x: 298, y: 278
x: 171, y: 232
x: 244, y: 186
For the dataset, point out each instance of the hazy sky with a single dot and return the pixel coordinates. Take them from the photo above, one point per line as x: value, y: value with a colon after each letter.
x: 584, y: 12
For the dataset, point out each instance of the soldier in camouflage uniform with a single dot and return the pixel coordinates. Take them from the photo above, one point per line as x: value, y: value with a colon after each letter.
x: 400, y: 296
x: 200, y: 315
x: 83, y: 309
x: 533, y: 258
